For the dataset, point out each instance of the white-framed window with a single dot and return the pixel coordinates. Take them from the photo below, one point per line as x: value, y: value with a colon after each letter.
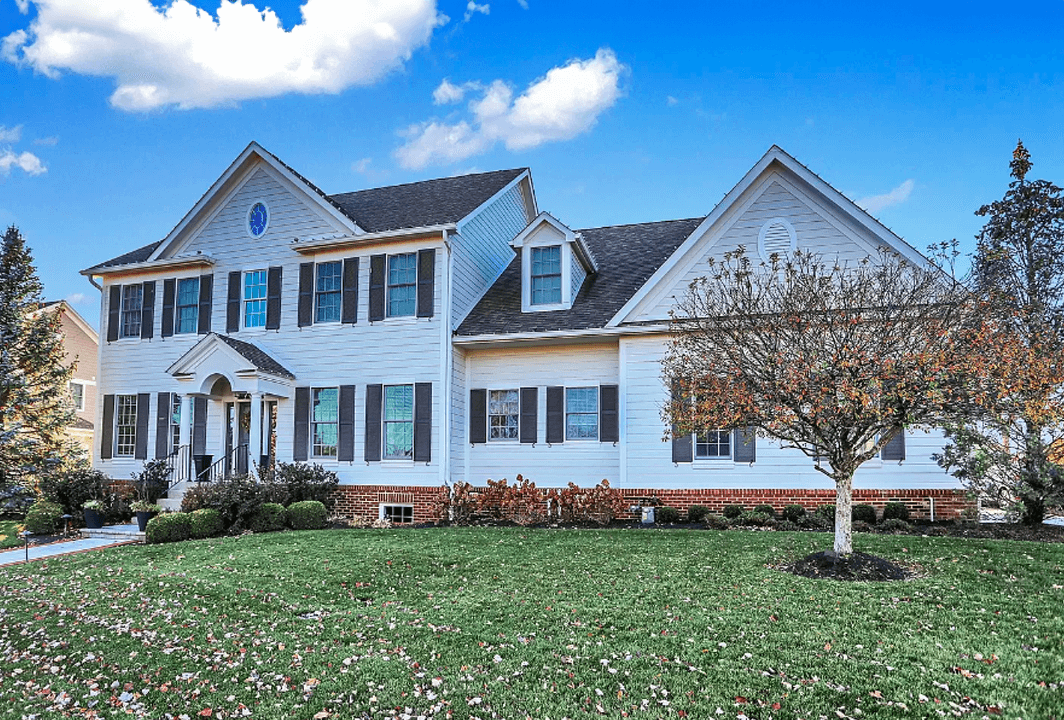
x: 255, y: 298
x: 175, y: 421
x: 125, y: 425
x: 327, y: 292
x: 581, y: 413
x: 504, y: 413
x: 131, y: 309
x: 713, y: 444
x: 546, y: 275
x: 402, y: 284
x: 398, y: 514
x: 325, y: 421
x: 398, y: 420
x: 186, y: 311
x: 77, y: 395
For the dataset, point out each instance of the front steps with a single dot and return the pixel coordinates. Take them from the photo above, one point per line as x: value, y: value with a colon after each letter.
x: 172, y: 501
x: 115, y: 533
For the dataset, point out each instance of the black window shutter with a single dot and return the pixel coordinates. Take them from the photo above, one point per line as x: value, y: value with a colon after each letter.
x: 422, y: 422
x: 147, y: 310
x: 162, y: 426
x: 301, y: 433
x: 555, y: 415
x: 349, y: 303
x: 744, y: 445
x: 895, y: 447
x: 426, y: 282
x: 114, y: 306
x: 206, y: 296
x: 199, y: 424
x: 232, y: 305
x: 169, y: 290
x: 346, y: 449
x: 376, y: 287
x: 141, y: 450
x: 373, y: 422
x: 682, y: 447
x: 478, y: 416
x: 609, y: 428
x: 306, y: 293
x: 529, y: 414
x: 107, y: 434
x: 273, y: 298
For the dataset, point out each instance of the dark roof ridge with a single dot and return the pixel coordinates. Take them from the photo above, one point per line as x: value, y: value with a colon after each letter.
x: 639, y: 224
x: 428, y: 180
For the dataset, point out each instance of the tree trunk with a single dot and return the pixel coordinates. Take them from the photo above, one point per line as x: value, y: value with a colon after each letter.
x: 844, y: 515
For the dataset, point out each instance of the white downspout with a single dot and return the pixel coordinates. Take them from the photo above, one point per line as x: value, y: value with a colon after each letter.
x: 447, y: 366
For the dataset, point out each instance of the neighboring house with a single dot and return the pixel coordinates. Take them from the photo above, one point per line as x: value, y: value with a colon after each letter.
x: 81, y: 346
x: 413, y: 336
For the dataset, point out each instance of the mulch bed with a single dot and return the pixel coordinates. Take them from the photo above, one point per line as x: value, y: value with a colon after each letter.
x: 856, y: 566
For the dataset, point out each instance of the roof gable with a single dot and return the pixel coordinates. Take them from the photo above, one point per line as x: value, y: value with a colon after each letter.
x: 771, y: 195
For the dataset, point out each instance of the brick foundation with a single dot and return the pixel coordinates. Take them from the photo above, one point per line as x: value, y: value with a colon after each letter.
x: 365, y: 500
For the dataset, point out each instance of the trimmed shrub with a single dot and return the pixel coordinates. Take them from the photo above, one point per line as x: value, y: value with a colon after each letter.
x: 169, y: 527
x: 793, y: 513
x: 237, y: 498
x: 43, y: 517
x: 895, y: 525
x: 666, y: 515
x: 863, y: 513
x: 817, y: 521
x: 732, y: 511
x: 765, y: 509
x: 268, y: 517
x: 697, y: 513
x: 754, y: 518
x: 895, y: 510
x: 827, y: 512
x: 302, y: 481
x: 205, y: 523
x: 717, y: 522
x: 307, y: 515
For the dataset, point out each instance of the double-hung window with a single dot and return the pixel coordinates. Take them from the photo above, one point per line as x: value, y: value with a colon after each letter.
x: 402, y: 284
x: 125, y: 425
x: 325, y: 421
x: 187, y: 310
x: 327, y: 292
x: 581, y: 413
x: 713, y: 444
x: 131, y: 309
x: 504, y: 407
x: 546, y: 275
x: 77, y: 395
x: 398, y: 421
x: 255, y: 299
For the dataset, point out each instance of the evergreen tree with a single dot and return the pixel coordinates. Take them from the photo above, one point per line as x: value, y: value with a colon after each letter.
x: 1013, y: 448
x: 35, y: 406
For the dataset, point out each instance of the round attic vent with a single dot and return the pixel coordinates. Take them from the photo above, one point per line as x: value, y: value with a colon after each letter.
x: 776, y: 236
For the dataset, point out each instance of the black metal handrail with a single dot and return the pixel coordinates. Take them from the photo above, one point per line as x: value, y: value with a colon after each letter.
x: 235, y: 462
x: 179, y: 467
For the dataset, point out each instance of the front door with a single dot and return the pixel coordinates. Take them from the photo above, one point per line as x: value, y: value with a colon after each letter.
x: 236, y: 459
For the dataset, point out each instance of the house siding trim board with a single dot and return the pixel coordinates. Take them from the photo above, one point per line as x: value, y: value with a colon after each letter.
x: 467, y: 333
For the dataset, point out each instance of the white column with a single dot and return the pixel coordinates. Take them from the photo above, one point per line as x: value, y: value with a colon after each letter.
x: 185, y: 436
x: 255, y: 433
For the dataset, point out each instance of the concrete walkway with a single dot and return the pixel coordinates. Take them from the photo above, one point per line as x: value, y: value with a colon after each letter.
x: 65, y: 547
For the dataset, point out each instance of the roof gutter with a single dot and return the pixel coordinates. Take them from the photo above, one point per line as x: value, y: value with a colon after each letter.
x: 169, y: 263
x: 344, y: 241
x: 554, y: 336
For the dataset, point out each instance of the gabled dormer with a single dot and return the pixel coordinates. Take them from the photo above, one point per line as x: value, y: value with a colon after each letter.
x: 555, y: 262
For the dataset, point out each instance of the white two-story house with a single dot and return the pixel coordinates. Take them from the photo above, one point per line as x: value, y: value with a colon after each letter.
x: 413, y: 336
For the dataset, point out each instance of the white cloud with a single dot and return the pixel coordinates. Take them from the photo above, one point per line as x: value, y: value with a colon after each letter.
x: 361, y: 166
x: 875, y: 203
x: 23, y: 6
x: 472, y: 8
x: 10, y: 135
x: 76, y: 298
x: 670, y: 100
x: 27, y: 162
x: 50, y: 141
x: 566, y: 102
x: 523, y: 4
x: 448, y: 92
x: 181, y: 55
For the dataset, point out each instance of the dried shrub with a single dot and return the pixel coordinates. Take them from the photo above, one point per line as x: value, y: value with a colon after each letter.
x: 455, y: 505
x: 594, y: 506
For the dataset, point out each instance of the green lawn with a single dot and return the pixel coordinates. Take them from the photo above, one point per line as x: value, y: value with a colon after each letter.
x: 532, y: 623
x: 9, y: 534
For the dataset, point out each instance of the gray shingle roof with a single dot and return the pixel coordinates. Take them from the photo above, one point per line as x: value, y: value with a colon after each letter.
x: 420, y: 204
x: 256, y: 356
x: 627, y: 255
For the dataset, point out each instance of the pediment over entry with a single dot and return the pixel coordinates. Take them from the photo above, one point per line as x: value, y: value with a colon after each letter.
x: 247, y: 367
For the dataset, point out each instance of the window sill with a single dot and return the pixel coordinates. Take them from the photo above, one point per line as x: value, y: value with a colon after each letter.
x: 397, y: 463
x: 715, y: 464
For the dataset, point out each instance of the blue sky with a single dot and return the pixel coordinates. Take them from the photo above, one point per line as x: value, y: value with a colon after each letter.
x: 624, y: 113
